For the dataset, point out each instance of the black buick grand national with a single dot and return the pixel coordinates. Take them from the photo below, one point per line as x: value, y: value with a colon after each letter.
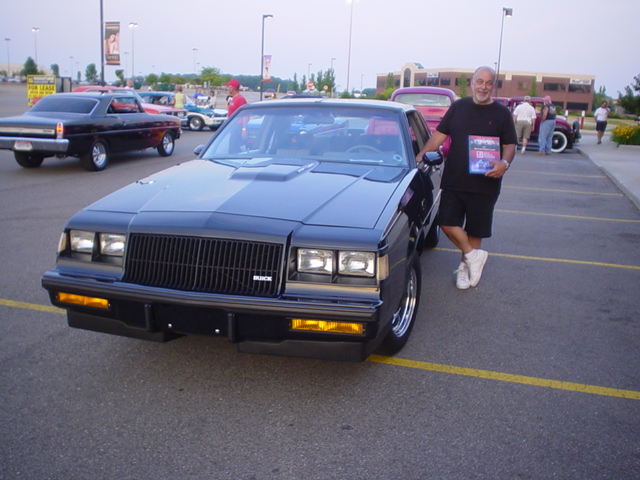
x: 295, y: 232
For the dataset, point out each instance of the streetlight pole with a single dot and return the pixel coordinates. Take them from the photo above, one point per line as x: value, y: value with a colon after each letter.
x: 195, y: 50
x: 350, y: 33
x: 8, y: 40
x: 133, y: 26
x: 35, y: 31
x: 266, y: 15
x: 506, y: 12
x: 333, y: 77
x: 71, y: 67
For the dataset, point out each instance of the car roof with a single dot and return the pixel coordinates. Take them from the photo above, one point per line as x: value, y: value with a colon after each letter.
x: 440, y: 90
x: 333, y: 102
x: 96, y: 95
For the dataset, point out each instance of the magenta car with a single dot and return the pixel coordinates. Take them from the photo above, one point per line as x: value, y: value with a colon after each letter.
x: 431, y: 102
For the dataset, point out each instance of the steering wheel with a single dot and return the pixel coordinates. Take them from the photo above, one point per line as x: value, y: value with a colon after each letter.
x: 363, y: 147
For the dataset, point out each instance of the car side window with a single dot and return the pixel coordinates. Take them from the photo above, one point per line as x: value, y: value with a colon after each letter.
x: 123, y: 105
x: 419, y: 133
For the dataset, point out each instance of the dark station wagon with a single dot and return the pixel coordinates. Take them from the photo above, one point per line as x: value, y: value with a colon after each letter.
x: 297, y: 231
x: 90, y: 126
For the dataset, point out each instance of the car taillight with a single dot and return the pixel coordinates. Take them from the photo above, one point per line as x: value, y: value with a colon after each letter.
x: 59, y: 130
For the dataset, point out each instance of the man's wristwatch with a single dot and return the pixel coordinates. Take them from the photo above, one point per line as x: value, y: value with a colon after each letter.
x: 507, y: 164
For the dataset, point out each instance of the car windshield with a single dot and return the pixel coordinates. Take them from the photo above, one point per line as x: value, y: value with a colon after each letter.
x: 424, y: 99
x: 54, y: 103
x: 317, y: 132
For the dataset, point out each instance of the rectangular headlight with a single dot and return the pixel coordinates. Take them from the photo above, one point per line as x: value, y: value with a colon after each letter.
x: 82, y: 241
x: 112, y: 244
x: 362, y: 264
x: 315, y: 261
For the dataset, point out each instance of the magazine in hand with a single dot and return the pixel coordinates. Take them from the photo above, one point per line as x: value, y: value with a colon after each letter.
x: 481, y: 151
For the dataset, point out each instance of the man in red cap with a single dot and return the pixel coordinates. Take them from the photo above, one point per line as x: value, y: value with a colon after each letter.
x: 237, y: 100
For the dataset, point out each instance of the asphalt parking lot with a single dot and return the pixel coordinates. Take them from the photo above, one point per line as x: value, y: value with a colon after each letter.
x: 531, y: 375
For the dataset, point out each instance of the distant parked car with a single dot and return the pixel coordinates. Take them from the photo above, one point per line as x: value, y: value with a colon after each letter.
x: 179, y: 113
x: 90, y: 126
x: 285, y: 241
x: 197, y: 117
x: 431, y: 102
x: 269, y: 93
x: 564, y: 135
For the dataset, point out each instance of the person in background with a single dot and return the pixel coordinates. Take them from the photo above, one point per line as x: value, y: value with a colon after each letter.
x: 179, y: 98
x: 601, y: 115
x: 524, y: 117
x: 547, y: 125
x: 236, y: 100
x: 468, y: 198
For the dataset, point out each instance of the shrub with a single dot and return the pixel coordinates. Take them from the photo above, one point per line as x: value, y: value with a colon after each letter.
x: 626, y: 135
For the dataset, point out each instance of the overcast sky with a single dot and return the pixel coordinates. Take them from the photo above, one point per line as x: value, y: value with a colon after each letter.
x: 568, y: 36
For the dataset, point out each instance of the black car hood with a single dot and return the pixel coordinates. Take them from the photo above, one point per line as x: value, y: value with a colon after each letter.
x: 306, y: 191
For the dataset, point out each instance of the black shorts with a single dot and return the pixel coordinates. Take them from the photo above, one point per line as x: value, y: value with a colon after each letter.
x: 473, y: 211
x: 601, y: 126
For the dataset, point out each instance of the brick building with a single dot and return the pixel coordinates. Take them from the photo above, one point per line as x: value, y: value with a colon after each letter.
x: 573, y: 92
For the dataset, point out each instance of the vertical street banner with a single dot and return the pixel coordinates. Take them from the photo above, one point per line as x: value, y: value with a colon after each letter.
x: 266, y: 67
x: 112, y: 43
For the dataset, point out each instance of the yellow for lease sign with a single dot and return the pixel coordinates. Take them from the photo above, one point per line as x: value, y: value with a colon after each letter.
x: 38, y: 86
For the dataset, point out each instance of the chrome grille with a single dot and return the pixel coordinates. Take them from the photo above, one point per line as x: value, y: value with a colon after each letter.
x: 199, y: 264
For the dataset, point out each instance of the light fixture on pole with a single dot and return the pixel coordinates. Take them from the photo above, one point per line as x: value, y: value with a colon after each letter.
x: 266, y: 15
x: 506, y: 12
x: 133, y: 26
x: 35, y: 31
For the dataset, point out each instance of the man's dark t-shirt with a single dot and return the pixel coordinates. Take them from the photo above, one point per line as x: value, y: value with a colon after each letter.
x: 465, y: 118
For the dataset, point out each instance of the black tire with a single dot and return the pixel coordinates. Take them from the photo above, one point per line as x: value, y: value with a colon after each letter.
x: 167, y: 145
x: 196, y: 123
x: 28, y: 160
x: 433, y: 235
x: 97, y: 158
x: 559, y: 142
x: 405, y: 316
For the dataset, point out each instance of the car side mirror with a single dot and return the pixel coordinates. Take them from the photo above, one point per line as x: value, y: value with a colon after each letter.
x: 433, y: 159
x: 198, y: 149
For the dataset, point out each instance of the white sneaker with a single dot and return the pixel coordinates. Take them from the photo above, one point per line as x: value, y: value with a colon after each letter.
x: 476, y: 266
x: 522, y: 150
x: 462, y: 276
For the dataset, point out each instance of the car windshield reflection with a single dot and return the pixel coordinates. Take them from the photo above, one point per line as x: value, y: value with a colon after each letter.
x: 336, y: 134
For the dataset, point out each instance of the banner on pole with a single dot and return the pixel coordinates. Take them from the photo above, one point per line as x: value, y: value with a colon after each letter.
x: 112, y: 43
x: 266, y: 67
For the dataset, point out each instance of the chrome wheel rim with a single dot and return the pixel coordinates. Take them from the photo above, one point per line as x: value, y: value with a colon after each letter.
x: 402, y: 318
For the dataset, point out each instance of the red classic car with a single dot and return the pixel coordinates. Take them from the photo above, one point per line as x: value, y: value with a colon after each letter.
x: 431, y: 102
x: 564, y: 135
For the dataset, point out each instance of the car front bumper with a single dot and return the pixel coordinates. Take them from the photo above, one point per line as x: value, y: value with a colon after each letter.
x: 256, y: 324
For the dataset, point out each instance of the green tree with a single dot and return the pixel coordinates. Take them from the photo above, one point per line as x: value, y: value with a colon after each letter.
x: 599, y: 97
x: 120, y: 75
x: 30, y: 67
x: 462, y: 86
x: 151, y: 79
x: 391, y: 82
x: 211, y: 75
x: 165, y: 78
x: 533, y: 91
x: 55, y: 69
x: 91, y: 74
x: 631, y: 101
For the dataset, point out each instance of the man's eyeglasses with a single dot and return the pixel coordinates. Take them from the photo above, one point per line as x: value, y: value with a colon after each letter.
x: 480, y: 82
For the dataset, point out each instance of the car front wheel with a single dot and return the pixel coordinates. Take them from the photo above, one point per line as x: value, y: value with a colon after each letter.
x: 195, y: 123
x: 28, y: 160
x: 167, y: 145
x: 96, y: 158
x: 404, y: 317
x: 559, y: 142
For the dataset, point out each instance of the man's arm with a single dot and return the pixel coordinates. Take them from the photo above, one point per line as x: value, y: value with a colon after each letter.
x: 499, y: 167
x: 432, y: 144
